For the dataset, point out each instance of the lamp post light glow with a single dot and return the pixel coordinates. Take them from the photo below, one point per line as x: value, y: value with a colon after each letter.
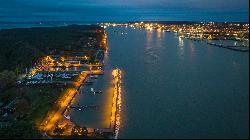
x: 116, y: 106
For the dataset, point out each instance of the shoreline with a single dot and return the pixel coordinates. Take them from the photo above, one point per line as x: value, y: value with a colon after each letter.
x: 60, y: 114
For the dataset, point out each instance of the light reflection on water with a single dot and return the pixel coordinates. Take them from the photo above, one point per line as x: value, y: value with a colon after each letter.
x: 189, y: 90
x: 99, y: 118
x: 181, y: 42
x: 151, y: 53
x: 181, y: 46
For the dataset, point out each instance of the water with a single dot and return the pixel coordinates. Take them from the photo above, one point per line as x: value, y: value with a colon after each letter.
x: 99, y: 117
x: 174, y: 88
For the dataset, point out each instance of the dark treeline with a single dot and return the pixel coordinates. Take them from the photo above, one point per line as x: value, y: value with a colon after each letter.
x: 20, y: 48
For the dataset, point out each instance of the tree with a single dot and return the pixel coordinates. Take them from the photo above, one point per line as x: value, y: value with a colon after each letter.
x: 74, y: 131
x: 7, y: 79
x: 58, y: 130
x: 84, y: 131
x: 79, y: 131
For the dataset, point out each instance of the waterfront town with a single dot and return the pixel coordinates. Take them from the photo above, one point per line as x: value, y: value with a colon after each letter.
x: 68, y: 71
x: 209, y: 30
x: 199, y: 31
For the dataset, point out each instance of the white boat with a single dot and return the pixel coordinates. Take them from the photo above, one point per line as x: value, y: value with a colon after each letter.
x: 67, y: 117
x: 94, y: 76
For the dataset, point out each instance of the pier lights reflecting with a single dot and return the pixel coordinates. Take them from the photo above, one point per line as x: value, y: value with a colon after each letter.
x: 181, y: 42
x: 149, y: 36
x: 159, y: 33
x: 116, y: 106
x: 181, y: 46
x: 104, y: 41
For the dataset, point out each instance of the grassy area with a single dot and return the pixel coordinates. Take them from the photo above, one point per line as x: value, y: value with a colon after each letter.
x: 33, y: 104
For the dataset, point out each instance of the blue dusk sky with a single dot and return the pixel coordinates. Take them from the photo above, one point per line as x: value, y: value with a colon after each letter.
x: 124, y: 10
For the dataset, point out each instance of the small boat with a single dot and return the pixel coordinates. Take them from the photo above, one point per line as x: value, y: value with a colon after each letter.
x: 94, y: 76
x: 88, y: 82
x: 68, y: 117
x: 98, y: 91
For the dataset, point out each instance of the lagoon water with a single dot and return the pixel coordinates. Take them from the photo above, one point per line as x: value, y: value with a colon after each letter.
x: 177, y: 88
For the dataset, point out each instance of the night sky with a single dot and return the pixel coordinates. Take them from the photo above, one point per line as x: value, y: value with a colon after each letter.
x: 124, y: 10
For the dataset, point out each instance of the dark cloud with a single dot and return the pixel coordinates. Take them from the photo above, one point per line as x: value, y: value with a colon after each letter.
x: 111, y: 9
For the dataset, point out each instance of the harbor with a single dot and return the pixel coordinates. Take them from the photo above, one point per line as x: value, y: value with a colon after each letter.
x: 97, y: 108
x: 240, y: 48
x: 88, y: 92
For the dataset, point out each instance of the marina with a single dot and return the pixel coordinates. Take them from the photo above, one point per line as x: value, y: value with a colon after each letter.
x: 95, y: 114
